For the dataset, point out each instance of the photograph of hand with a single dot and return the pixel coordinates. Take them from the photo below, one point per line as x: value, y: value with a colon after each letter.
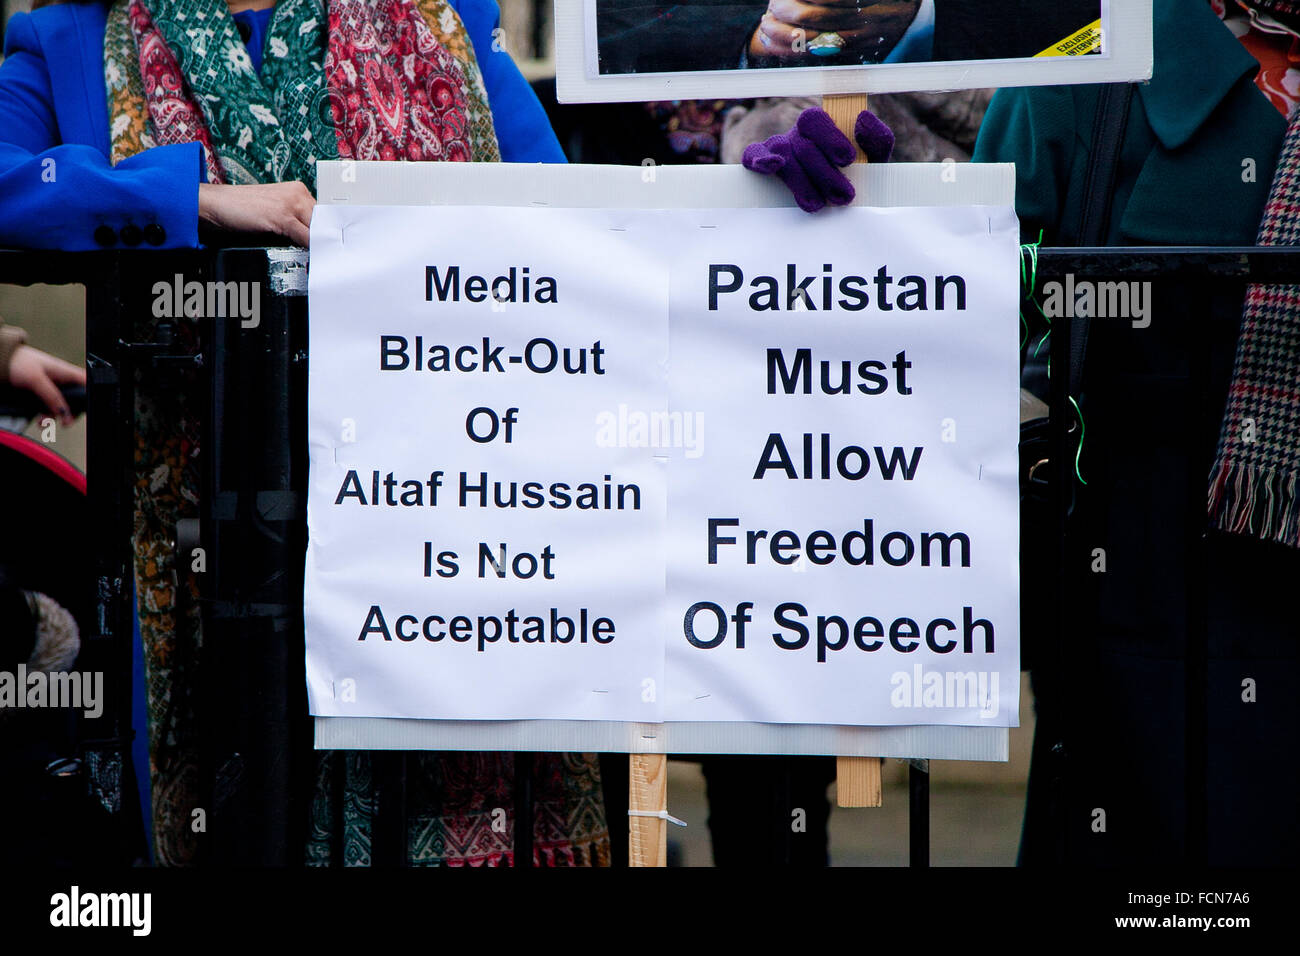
x: 655, y: 36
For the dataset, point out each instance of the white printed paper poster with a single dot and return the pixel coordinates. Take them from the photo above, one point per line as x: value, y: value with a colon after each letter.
x: 474, y: 553
x: 664, y: 465
x: 852, y: 522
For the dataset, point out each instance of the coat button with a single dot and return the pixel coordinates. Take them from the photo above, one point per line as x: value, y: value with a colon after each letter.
x: 155, y: 234
x: 105, y: 236
x: 131, y: 235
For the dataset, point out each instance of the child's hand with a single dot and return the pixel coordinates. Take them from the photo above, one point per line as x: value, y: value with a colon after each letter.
x: 42, y: 374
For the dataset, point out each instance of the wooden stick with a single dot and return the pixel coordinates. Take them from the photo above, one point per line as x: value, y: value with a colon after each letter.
x: 857, y: 778
x: 844, y: 109
x: 857, y: 782
x: 648, y: 837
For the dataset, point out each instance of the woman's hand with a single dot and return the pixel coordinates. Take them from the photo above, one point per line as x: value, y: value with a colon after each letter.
x: 42, y: 374
x: 282, y: 208
x: 869, y: 30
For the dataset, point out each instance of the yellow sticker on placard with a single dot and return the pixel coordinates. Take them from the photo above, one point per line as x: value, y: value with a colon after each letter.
x: 1084, y: 40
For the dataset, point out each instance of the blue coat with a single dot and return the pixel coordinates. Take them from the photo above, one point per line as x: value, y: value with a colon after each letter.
x: 57, y: 188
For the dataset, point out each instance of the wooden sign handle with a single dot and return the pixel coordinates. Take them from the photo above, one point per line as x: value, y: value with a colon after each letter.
x: 647, y: 836
x: 857, y: 778
x: 844, y: 109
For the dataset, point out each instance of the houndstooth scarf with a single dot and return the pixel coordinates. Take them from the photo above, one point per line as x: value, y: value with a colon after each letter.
x: 1253, y: 482
x: 372, y: 79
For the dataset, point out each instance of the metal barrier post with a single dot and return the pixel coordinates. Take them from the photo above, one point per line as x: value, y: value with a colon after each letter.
x: 918, y: 813
x: 524, y: 809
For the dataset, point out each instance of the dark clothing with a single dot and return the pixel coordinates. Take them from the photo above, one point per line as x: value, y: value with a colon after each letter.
x: 979, y: 30
x: 608, y: 133
x: 1194, y: 169
x: 634, y: 36
x: 769, y: 811
x: 52, y: 819
x: 643, y: 36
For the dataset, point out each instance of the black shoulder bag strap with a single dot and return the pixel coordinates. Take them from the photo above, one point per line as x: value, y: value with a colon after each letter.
x: 1098, y: 191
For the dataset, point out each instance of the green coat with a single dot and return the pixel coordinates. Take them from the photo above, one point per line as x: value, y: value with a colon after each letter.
x: 1196, y: 165
x: 1198, y: 154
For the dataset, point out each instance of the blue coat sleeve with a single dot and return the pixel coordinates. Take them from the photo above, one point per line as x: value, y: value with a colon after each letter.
x: 56, y: 194
x: 523, y: 131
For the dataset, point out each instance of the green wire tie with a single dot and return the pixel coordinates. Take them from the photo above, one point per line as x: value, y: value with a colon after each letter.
x: 1029, y: 277
x: 1078, y: 453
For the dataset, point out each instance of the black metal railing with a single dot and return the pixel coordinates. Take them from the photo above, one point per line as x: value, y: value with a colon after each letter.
x: 255, y: 731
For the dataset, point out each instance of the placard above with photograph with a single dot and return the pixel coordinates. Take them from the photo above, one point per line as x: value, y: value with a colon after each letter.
x: 630, y: 50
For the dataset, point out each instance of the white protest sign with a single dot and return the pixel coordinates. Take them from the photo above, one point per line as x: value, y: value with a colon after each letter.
x: 844, y: 549
x: 473, y: 552
x: 503, y: 529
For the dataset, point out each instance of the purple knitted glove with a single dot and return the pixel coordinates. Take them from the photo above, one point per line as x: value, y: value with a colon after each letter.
x: 874, y: 136
x: 807, y: 158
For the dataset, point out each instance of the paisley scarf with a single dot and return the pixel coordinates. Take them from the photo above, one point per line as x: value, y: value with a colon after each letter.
x: 370, y: 80
x: 375, y: 79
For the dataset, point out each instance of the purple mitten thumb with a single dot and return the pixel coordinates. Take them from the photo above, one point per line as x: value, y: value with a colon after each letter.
x: 777, y: 154
x: 874, y: 136
x: 762, y: 158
